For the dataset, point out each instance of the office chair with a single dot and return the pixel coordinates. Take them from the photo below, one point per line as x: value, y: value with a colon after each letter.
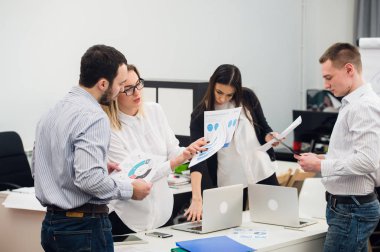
x: 312, y: 201
x: 296, y: 180
x: 14, y: 166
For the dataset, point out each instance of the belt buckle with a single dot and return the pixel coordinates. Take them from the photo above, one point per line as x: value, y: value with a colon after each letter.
x: 74, y: 214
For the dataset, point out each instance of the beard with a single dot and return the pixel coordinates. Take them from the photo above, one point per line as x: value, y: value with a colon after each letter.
x: 106, y: 98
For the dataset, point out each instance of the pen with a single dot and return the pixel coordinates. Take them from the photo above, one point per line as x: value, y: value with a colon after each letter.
x: 287, y: 146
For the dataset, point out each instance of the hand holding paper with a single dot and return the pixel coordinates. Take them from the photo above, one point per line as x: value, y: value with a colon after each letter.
x: 283, y: 134
x: 135, y: 168
x: 219, y: 127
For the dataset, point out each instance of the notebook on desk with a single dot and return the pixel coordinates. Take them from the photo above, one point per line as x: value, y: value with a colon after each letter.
x: 217, y: 244
x: 222, y: 209
x: 276, y: 205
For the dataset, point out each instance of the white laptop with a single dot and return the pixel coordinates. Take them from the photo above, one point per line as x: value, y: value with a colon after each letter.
x: 222, y: 209
x: 276, y: 205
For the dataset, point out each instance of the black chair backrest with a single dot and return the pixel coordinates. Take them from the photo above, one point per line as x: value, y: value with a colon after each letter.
x: 14, y: 166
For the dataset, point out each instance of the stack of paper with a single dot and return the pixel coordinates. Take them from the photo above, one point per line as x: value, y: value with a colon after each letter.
x: 176, y: 180
x: 219, y: 127
x: 136, y: 167
x: 20, y: 200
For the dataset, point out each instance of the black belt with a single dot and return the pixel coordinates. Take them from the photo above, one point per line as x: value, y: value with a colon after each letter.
x: 86, y: 208
x: 350, y: 199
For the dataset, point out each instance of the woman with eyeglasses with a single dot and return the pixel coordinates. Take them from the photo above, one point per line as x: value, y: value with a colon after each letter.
x: 140, y: 130
x: 230, y: 165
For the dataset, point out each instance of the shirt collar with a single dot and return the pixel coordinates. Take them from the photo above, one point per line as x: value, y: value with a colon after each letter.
x: 127, y: 119
x: 356, y: 94
x: 78, y: 90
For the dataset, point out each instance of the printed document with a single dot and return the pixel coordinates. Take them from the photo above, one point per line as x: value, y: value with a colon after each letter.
x: 137, y: 167
x: 283, y: 134
x: 219, y: 127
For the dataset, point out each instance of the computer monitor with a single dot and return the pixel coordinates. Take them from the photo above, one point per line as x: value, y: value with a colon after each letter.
x: 322, y: 100
x: 313, y: 134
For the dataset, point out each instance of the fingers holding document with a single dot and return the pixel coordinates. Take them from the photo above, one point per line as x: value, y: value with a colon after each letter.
x: 197, y: 146
x: 194, y: 148
x: 309, y: 162
x: 274, y: 135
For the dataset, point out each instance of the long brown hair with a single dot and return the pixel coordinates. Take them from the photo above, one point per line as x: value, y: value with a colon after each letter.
x: 230, y: 75
x: 225, y: 74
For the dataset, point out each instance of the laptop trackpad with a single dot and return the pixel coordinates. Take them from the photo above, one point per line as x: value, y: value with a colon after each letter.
x: 197, y: 228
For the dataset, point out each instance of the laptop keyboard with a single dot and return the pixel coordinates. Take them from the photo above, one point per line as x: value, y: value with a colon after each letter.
x: 197, y: 228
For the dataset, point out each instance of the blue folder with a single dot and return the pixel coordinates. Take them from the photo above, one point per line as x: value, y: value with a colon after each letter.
x: 217, y: 244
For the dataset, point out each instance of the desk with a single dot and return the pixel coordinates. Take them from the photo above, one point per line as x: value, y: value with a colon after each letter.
x: 16, y: 223
x: 20, y: 229
x: 279, y: 239
x: 19, y: 224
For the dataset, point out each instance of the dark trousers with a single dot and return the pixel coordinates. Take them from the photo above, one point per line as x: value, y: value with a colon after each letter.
x: 92, y: 232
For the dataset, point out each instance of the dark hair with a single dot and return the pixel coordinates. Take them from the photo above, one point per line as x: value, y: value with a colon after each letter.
x: 113, y: 109
x: 100, y: 61
x: 133, y: 68
x: 227, y: 75
x: 342, y: 53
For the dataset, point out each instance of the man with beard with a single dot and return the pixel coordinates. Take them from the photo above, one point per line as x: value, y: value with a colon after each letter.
x: 69, y: 164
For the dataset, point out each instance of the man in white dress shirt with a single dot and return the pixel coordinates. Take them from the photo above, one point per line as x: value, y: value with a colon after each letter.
x: 350, y: 165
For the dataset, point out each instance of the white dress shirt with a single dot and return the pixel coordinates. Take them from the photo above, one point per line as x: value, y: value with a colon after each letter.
x: 146, y: 135
x: 354, y: 151
x: 240, y: 163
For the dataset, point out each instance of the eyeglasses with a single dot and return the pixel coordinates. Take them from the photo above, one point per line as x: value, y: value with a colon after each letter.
x: 131, y: 90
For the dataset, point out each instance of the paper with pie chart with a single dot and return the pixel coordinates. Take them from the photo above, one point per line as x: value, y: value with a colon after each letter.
x: 140, y: 168
x: 231, y: 121
x: 219, y: 127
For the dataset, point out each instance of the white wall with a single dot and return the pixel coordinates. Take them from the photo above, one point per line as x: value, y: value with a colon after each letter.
x: 276, y: 44
x: 326, y: 22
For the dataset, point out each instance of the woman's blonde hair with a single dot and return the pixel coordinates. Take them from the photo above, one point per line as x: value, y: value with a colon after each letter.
x: 112, y: 110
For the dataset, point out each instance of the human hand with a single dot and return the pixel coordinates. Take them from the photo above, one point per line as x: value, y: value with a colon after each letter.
x: 193, y: 149
x: 141, y: 189
x: 309, y: 162
x: 112, y: 167
x: 194, y: 212
x: 273, y: 135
